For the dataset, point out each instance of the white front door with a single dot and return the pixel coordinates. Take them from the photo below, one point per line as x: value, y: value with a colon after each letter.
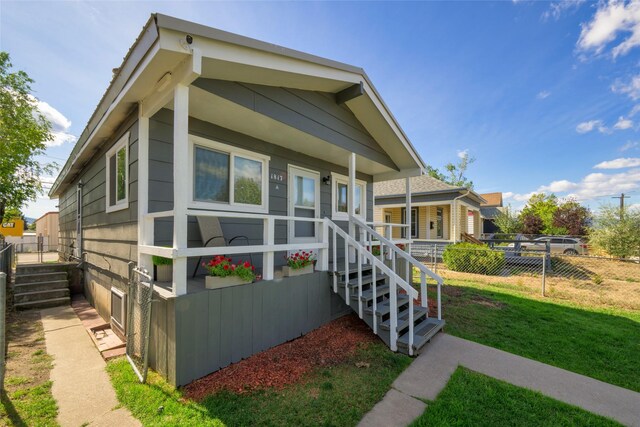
x: 304, y: 201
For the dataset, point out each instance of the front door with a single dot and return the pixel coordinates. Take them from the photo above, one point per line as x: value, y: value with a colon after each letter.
x: 304, y: 201
x: 439, y: 223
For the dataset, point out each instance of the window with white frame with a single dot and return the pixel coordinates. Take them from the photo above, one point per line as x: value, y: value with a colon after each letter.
x: 227, y: 178
x: 117, y: 167
x: 414, y: 223
x: 340, y: 197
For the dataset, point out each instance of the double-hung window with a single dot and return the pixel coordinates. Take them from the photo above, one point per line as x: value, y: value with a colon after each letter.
x: 414, y: 223
x: 227, y: 178
x: 117, y: 189
x: 340, y: 198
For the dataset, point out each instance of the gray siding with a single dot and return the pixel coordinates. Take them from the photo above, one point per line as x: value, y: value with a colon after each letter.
x: 161, y: 182
x: 202, y: 332
x: 109, y: 239
x: 315, y: 113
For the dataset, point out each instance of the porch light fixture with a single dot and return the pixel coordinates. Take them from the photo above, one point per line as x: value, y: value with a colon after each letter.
x: 327, y: 180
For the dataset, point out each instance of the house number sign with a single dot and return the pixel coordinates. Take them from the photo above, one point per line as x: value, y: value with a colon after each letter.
x: 278, y: 177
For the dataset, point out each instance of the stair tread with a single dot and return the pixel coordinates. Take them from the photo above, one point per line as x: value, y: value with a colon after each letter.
x: 384, y: 307
x: 41, y: 283
x: 39, y: 292
x: 46, y: 301
x: 403, y: 318
x: 46, y: 273
x: 422, y: 333
x: 366, y: 280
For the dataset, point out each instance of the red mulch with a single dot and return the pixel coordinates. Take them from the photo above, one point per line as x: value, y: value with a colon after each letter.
x: 287, y: 363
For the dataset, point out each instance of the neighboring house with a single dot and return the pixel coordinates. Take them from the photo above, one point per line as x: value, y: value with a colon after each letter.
x: 489, y: 210
x: 280, y: 146
x: 47, y: 227
x: 439, y: 212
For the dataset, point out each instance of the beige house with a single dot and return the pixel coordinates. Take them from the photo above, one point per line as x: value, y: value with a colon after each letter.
x: 48, y: 227
x: 439, y: 212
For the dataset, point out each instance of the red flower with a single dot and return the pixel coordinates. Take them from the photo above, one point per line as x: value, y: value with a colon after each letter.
x: 253, y: 268
x: 226, y: 267
x: 246, y: 264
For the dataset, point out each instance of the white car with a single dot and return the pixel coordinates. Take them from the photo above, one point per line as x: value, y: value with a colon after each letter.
x: 559, y: 245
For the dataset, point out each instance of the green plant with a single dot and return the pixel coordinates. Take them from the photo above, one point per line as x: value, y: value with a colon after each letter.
x: 300, y: 259
x: 597, y: 279
x: 158, y: 260
x: 472, y: 258
x: 221, y: 266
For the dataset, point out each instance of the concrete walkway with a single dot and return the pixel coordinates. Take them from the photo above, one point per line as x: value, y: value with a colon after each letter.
x: 430, y: 372
x: 81, y: 386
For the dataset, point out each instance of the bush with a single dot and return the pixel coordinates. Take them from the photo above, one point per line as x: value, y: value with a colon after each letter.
x: 472, y: 258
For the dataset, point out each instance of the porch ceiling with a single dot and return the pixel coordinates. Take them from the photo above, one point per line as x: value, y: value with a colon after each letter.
x: 211, y: 108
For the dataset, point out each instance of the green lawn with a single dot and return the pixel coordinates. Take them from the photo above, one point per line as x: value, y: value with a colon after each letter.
x: 337, y: 396
x: 597, y: 342
x: 472, y: 399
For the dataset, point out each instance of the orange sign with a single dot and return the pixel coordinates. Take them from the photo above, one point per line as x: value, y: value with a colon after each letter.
x: 15, y: 227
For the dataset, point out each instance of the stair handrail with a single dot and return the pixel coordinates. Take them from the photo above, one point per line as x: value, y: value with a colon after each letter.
x: 424, y: 270
x: 394, y: 280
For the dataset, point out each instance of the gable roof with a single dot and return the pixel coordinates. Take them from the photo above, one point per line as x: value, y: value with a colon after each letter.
x: 419, y: 184
x: 492, y: 199
x: 160, y: 49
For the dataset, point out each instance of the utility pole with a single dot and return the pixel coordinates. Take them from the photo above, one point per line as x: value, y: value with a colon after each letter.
x: 622, y: 196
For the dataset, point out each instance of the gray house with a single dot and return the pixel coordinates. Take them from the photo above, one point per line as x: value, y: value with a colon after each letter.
x: 439, y: 213
x: 208, y: 143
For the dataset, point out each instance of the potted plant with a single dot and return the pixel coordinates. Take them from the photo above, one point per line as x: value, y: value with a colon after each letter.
x: 164, y: 268
x: 299, y: 263
x: 222, y: 273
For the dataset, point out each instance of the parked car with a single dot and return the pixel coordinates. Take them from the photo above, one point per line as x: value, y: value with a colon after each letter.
x: 559, y: 245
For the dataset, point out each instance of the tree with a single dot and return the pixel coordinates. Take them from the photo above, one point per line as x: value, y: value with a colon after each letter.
x: 531, y: 223
x: 23, y: 134
x: 543, y: 206
x: 455, y: 174
x: 617, y: 235
x: 572, y: 217
x: 507, y: 221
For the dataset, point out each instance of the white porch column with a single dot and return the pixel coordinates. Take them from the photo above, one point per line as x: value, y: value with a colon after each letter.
x: 407, y: 215
x: 454, y: 221
x: 145, y: 234
x: 180, y: 184
x: 351, y: 198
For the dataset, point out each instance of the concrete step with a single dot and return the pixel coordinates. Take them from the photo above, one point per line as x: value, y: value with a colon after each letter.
x: 21, y: 278
x: 53, y: 302
x: 35, y: 296
x: 40, y: 286
x: 42, y: 268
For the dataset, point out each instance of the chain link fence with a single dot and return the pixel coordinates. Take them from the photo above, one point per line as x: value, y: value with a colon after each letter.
x: 138, y: 327
x: 6, y: 270
x: 600, y: 280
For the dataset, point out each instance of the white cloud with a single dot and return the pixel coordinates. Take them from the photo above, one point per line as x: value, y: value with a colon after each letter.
x: 560, y: 186
x: 612, y: 19
x: 507, y: 195
x: 635, y: 110
x: 622, y: 162
x: 630, y: 145
x: 543, y: 94
x: 623, y: 123
x: 463, y: 153
x: 586, y: 127
x: 556, y: 9
x: 59, y: 125
x: 630, y: 88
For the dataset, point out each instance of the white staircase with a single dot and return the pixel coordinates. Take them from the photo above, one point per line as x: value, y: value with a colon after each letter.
x: 379, y: 287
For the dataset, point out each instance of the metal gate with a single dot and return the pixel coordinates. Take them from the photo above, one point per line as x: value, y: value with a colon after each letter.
x: 139, y: 303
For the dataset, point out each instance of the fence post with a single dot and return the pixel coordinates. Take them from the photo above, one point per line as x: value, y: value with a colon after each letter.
x: 3, y: 322
x: 544, y: 272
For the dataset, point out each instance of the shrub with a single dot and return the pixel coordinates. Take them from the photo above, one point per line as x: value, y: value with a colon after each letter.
x: 472, y: 258
x: 158, y: 260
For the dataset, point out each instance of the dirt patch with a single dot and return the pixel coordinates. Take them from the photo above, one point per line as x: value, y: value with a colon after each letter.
x: 28, y: 363
x: 287, y: 363
x: 487, y: 302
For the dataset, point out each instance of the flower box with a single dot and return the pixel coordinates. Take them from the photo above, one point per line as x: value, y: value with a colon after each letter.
x: 290, y: 272
x: 164, y: 273
x: 216, y: 282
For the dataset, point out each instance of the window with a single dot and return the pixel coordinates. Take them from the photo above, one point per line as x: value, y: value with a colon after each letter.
x: 118, y: 175
x: 227, y: 178
x: 414, y: 223
x: 340, y: 202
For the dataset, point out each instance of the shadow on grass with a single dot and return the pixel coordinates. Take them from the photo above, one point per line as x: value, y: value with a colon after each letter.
x: 602, y: 344
x: 10, y: 410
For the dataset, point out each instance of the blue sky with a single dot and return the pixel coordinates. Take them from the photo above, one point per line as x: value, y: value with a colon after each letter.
x: 542, y: 94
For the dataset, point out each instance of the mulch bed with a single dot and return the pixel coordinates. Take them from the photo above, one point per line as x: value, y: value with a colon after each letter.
x: 287, y: 363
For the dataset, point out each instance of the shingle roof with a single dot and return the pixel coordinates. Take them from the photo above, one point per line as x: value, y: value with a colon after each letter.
x: 489, y: 212
x: 419, y: 184
x: 493, y: 199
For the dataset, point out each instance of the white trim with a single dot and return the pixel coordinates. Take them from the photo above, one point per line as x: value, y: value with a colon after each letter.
x: 344, y: 216
x: 232, y: 151
x: 292, y: 171
x: 124, y: 203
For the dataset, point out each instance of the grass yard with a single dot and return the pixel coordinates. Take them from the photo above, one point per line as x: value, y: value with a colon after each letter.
x: 27, y: 400
x: 599, y: 342
x: 472, y: 399
x: 338, y: 396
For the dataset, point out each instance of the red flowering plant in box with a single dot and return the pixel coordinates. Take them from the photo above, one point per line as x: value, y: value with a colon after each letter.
x: 221, y: 266
x: 300, y: 259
